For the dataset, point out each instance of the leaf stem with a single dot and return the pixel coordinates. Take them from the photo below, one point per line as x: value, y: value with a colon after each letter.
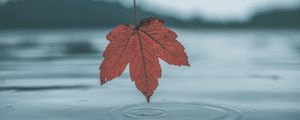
x: 135, y: 19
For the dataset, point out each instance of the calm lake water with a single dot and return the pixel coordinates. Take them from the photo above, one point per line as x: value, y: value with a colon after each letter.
x: 234, y: 75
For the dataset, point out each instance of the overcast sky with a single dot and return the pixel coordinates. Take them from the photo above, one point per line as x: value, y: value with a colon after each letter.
x: 212, y: 9
x: 209, y: 9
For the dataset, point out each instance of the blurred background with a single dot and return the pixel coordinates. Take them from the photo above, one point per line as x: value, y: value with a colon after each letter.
x: 244, y: 56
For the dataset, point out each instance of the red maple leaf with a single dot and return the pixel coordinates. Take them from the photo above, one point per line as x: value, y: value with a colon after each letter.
x: 140, y: 47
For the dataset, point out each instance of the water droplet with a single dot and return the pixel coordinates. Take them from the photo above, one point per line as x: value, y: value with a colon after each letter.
x: 8, y: 106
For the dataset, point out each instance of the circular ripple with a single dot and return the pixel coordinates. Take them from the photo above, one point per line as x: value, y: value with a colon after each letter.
x: 146, y: 113
x: 175, y: 111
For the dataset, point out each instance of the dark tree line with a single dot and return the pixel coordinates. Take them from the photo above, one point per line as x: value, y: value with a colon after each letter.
x: 85, y: 14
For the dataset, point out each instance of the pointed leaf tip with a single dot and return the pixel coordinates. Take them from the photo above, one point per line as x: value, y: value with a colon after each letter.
x: 148, y: 99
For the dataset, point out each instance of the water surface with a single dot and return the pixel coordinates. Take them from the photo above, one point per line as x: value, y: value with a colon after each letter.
x: 234, y: 74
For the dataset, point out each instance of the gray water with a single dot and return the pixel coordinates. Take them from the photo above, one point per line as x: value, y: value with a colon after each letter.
x: 234, y: 75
